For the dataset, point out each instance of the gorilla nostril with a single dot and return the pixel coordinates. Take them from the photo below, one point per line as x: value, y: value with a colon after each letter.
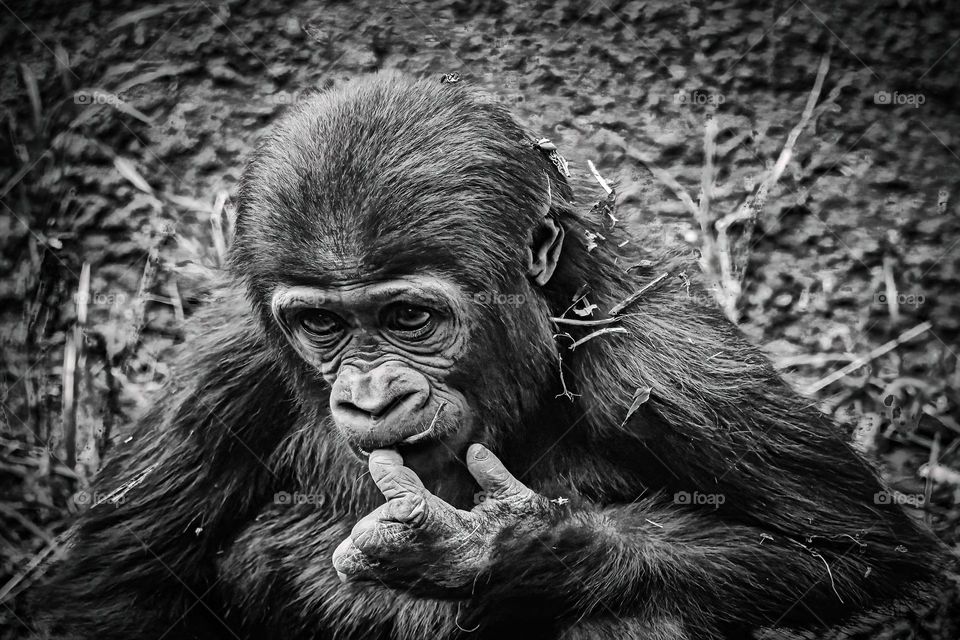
x: 349, y: 407
x: 377, y: 409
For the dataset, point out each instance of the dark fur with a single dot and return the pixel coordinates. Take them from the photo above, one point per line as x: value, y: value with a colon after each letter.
x: 389, y: 176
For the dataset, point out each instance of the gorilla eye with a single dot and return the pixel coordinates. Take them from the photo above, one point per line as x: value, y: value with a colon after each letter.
x: 320, y: 324
x: 410, y: 321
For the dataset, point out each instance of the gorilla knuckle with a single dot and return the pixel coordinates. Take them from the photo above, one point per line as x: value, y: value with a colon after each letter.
x: 400, y: 480
x: 412, y: 509
x: 364, y: 537
x: 384, y: 539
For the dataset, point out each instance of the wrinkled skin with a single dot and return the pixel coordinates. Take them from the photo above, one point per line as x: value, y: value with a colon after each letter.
x: 417, y: 541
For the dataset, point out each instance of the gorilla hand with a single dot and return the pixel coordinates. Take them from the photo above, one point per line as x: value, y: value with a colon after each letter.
x: 417, y: 541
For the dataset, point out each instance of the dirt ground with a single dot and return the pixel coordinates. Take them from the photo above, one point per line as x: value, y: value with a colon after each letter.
x: 126, y: 127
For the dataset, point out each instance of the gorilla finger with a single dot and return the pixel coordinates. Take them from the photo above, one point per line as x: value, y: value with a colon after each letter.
x: 412, y: 509
x: 370, y: 520
x: 349, y: 562
x: 379, y: 539
x: 393, y: 479
x: 492, y: 476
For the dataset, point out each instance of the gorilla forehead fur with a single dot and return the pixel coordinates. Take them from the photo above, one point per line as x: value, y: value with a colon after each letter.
x: 432, y: 175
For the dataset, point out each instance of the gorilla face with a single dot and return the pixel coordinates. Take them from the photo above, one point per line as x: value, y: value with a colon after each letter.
x: 387, y: 348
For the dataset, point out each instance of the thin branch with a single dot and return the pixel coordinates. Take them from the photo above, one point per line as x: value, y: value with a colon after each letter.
x: 706, y: 187
x: 890, y: 284
x: 599, y: 178
x: 577, y: 297
x: 599, y: 332
x: 749, y: 210
x: 566, y: 393
x: 623, y: 304
x: 216, y: 224
x: 645, y: 159
x: 429, y: 430
x: 586, y: 323
x: 7, y: 590
x: 787, y: 151
x: 815, y: 359
x: 907, y: 335
x: 752, y: 206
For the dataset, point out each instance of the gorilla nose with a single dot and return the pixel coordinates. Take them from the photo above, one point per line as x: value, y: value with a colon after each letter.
x: 381, y: 407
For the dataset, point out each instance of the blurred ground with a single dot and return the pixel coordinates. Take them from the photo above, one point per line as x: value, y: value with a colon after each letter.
x: 125, y: 129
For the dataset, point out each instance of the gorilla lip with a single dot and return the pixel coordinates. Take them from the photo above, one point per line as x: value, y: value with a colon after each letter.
x: 428, y: 433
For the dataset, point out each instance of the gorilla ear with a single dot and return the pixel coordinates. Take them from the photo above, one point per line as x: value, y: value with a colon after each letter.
x: 543, y: 252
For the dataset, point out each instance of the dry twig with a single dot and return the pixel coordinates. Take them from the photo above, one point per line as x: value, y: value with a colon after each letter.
x: 618, y: 308
x: 873, y: 355
x: 595, y: 334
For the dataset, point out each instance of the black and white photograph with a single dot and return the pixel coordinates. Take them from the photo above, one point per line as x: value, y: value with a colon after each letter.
x: 479, y: 320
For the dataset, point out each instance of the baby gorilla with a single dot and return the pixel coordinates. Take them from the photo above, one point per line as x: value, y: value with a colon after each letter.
x: 380, y: 228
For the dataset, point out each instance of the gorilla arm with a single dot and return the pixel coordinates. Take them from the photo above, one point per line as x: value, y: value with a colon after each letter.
x: 521, y: 556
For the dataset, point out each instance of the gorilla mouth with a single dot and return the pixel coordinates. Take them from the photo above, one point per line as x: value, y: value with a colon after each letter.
x: 418, y: 442
x: 428, y: 433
